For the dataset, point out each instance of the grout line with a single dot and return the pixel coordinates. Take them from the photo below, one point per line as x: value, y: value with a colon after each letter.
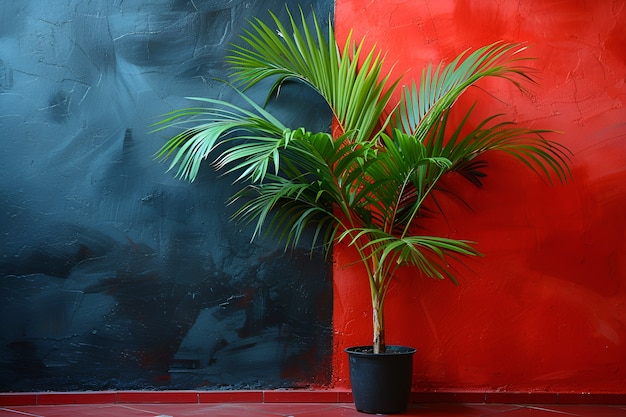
x: 550, y: 410
x: 20, y: 412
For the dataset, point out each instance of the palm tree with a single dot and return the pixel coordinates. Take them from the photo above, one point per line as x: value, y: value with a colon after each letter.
x: 368, y: 185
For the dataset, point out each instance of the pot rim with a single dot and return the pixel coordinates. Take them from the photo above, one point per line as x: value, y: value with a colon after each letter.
x: 392, y: 350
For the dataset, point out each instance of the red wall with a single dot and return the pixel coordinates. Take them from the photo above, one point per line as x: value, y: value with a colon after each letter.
x: 545, y: 309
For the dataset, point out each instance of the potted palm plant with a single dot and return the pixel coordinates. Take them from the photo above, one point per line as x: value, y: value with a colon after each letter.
x: 366, y: 185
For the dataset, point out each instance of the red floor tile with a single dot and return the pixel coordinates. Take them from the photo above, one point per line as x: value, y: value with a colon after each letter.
x: 196, y: 410
x: 294, y: 409
x: 563, y: 411
x: 465, y: 410
x: 521, y: 398
x: 305, y: 410
x: 71, y: 410
x: 587, y: 410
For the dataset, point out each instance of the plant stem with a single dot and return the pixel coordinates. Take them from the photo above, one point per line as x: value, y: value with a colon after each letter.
x: 379, y: 331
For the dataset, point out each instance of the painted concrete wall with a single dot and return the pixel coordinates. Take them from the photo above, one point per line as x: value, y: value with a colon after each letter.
x: 114, y: 275
x: 545, y: 309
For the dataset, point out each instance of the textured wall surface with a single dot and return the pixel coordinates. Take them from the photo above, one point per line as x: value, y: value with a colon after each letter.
x: 113, y: 274
x: 545, y: 309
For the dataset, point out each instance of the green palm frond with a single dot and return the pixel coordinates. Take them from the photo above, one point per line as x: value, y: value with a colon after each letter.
x: 398, y: 180
x: 440, y: 87
x: 464, y: 145
x: 305, y: 193
x: 428, y: 253
x: 423, y: 113
x: 287, y: 210
x: 351, y: 81
x: 205, y: 129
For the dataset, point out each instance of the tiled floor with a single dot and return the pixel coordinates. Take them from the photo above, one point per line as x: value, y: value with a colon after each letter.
x: 306, y: 410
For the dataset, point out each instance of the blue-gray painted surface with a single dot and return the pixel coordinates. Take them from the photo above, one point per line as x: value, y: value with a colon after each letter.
x: 113, y: 274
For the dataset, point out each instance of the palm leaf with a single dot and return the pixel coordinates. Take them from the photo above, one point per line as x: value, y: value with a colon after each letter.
x: 464, y: 146
x: 428, y: 253
x: 212, y: 127
x: 350, y: 81
x: 438, y: 90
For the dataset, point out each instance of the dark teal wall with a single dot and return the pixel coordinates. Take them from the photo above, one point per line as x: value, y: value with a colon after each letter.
x: 113, y: 274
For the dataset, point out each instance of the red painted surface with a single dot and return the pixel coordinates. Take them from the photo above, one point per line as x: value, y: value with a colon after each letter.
x: 545, y: 309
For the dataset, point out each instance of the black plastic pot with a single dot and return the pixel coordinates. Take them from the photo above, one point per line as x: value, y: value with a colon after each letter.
x: 381, y: 383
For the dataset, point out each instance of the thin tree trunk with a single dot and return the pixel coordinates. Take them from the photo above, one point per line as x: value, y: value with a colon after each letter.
x: 379, y: 329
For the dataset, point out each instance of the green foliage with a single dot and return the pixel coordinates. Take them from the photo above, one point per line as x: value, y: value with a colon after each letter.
x: 368, y: 186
